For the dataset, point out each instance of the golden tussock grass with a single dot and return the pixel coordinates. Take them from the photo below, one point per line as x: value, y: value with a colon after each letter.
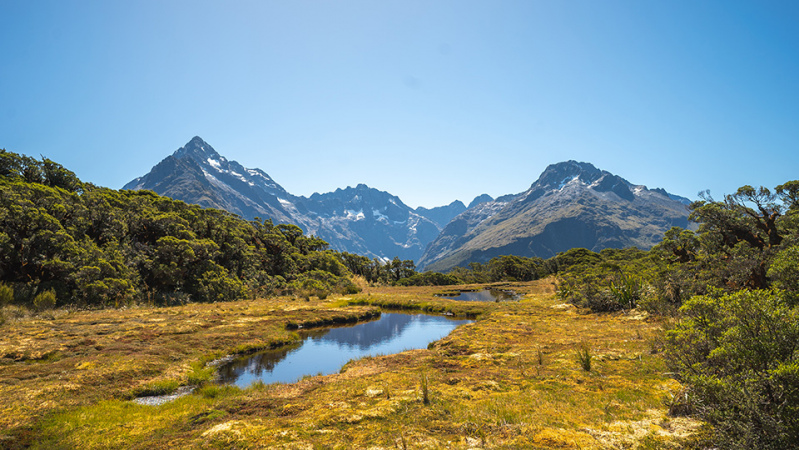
x: 508, y: 380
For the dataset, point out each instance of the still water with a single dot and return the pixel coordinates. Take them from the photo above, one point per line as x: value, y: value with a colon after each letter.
x: 325, y: 351
x: 486, y: 295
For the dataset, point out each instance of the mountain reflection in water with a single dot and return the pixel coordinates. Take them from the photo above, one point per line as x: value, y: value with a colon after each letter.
x: 485, y: 295
x: 326, y: 350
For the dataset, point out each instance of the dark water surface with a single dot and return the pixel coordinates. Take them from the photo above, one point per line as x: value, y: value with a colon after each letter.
x: 325, y: 351
x: 486, y: 295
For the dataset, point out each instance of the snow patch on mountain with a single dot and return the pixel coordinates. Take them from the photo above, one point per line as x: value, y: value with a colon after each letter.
x: 355, y: 215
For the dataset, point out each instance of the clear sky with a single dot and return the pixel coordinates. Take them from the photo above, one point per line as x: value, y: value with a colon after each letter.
x: 430, y: 100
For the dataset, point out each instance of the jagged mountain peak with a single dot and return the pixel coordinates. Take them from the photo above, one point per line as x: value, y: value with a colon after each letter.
x: 196, y: 173
x: 482, y: 198
x: 557, y: 175
x: 199, y: 150
x: 357, y: 195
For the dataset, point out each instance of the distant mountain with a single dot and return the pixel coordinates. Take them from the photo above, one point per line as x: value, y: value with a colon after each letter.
x: 360, y: 220
x: 480, y: 199
x: 441, y: 215
x: 367, y: 221
x: 572, y: 204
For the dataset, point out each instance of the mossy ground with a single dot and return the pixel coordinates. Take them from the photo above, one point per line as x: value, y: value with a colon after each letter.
x: 509, y: 380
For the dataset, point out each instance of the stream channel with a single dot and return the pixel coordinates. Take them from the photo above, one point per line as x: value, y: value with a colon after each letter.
x: 325, y: 350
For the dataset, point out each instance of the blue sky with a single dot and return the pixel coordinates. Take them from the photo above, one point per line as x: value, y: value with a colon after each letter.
x: 430, y: 100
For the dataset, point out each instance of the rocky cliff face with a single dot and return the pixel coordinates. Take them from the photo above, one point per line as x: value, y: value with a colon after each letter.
x: 572, y: 204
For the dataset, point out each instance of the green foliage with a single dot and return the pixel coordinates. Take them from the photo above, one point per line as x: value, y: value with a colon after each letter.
x: 425, y: 388
x: 217, y: 285
x: 351, y: 289
x: 584, y: 357
x: 784, y: 271
x: 45, y: 300
x: 502, y: 268
x: 626, y: 289
x: 6, y: 294
x: 100, y: 247
x: 739, y: 355
x: 514, y: 268
x: 611, y: 280
x: 377, y: 271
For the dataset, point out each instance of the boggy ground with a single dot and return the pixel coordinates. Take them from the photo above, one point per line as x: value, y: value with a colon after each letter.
x: 509, y: 380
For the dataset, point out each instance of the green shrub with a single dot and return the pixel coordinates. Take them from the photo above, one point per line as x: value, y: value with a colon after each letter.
x: 210, y: 391
x: 219, y: 286
x: 584, y: 357
x: 44, y: 300
x: 429, y: 279
x: 351, y: 289
x: 6, y: 294
x: 425, y: 387
x: 200, y: 374
x: 739, y: 356
x: 626, y: 290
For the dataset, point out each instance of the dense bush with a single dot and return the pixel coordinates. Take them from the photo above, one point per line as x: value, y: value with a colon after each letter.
x: 739, y: 355
x: 784, y: 271
x: 610, y: 280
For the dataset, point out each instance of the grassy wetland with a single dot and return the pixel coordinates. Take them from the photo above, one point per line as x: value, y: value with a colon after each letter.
x: 515, y: 378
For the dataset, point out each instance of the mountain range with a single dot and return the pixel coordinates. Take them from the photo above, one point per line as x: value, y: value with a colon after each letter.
x: 572, y: 204
x: 360, y: 220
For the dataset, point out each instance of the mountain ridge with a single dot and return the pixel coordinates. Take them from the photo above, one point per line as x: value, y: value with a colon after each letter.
x: 572, y: 204
x: 361, y: 220
x: 375, y: 223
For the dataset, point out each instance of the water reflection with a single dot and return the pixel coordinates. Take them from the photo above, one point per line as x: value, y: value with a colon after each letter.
x: 326, y: 350
x: 486, y: 295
